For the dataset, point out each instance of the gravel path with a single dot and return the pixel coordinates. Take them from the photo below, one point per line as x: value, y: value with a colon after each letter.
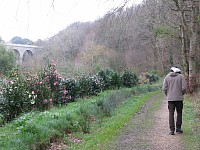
x: 148, y: 130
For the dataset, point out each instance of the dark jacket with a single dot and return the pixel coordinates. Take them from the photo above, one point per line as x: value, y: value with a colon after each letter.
x: 174, y: 86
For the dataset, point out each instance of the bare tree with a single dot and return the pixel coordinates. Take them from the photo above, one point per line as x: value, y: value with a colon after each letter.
x: 189, y: 27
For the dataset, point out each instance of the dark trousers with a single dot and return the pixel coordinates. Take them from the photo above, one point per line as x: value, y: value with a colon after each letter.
x: 172, y: 106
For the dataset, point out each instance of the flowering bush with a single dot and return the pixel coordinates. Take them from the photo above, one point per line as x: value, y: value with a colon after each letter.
x: 25, y: 92
x: 71, y: 86
x: 110, y: 79
x: 47, y: 88
x: 15, y: 96
x: 88, y: 86
x: 96, y: 85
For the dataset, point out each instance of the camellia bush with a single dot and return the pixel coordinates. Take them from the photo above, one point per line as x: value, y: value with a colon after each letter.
x: 84, y: 86
x: 106, y: 77
x: 24, y: 92
x: 110, y: 78
x: 129, y: 78
x: 90, y: 85
x: 15, y: 96
x: 71, y: 86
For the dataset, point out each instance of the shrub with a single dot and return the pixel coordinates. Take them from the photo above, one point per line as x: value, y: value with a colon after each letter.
x: 96, y: 85
x: 46, y: 89
x: 149, y: 77
x: 88, y: 86
x: 52, y: 88
x: 25, y: 92
x: 15, y: 96
x: 2, y: 99
x: 2, y: 120
x: 153, y: 78
x: 7, y: 59
x: 116, y: 80
x: 106, y: 77
x: 129, y: 78
x: 110, y: 79
x: 71, y: 86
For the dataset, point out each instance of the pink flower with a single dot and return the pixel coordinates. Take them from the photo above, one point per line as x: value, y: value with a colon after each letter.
x: 28, y: 79
x: 33, y: 92
x: 55, y: 83
x: 57, y: 76
x: 45, y: 101
x: 39, y: 82
x: 50, y: 100
x: 53, y: 63
x: 65, y: 92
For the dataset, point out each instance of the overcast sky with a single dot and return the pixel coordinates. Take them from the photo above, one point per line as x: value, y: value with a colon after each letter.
x: 39, y: 19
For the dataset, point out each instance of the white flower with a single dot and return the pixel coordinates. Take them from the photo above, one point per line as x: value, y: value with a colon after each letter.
x: 32, y: 102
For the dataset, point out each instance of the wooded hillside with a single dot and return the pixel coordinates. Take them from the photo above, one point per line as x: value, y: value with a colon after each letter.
x: 154, y: 35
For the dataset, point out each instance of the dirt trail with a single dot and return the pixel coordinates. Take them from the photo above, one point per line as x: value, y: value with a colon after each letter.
x: 148, y: 130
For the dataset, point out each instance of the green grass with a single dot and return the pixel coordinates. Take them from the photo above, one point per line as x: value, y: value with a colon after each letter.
x: 35, y: 130
x: 191, y: 126
x: 111, y: 126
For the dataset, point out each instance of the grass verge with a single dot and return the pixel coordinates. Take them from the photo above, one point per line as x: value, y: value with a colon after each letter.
x: 191, y: 125
x: 36, y: 130
x: 111, y: 126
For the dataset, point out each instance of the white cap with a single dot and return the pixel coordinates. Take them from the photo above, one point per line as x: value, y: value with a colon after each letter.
x: 176, y: 70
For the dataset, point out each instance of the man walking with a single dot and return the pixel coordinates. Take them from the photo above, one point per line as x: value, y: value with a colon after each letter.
x: 174, y: 86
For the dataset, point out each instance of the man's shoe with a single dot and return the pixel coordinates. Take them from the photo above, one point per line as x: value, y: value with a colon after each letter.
x: 179, y: 131
x: 171, y: 133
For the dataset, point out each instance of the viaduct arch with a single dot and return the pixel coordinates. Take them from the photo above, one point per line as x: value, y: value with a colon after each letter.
x: 23, y: 52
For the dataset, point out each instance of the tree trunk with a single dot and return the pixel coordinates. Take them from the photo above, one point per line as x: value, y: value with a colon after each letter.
x: 189, y: 12
x: 194, y: 26
x: 185, y: 41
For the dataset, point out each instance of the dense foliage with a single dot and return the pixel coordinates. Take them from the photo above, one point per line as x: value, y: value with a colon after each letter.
x: 7, y: 59
x: 152, y: 77
x: 129, y: 78
x: 111, y: 78
x: 23, y: 92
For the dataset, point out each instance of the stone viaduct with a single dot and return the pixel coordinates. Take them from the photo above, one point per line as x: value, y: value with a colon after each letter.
x: 23, y: 52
